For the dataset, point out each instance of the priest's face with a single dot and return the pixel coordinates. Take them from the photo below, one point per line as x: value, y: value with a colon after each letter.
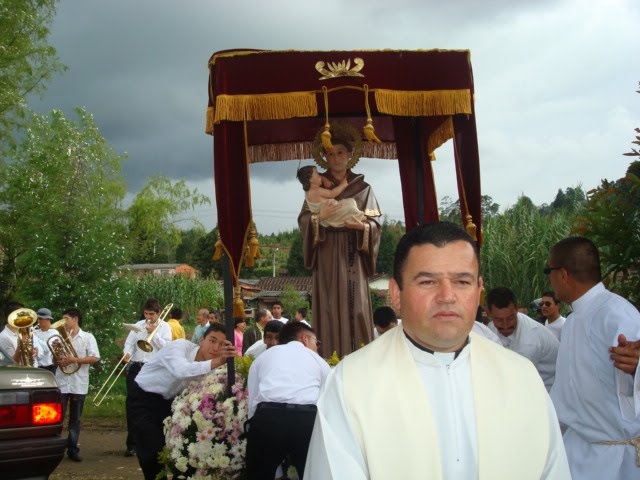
x: 440, y: 294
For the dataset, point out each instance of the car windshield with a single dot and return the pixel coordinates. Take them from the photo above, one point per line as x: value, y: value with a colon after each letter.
x: 4, y: 358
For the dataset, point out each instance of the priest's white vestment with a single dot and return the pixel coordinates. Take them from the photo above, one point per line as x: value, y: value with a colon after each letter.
x: 595, y: 401
x: 392, y: 410
x: 536, y: 342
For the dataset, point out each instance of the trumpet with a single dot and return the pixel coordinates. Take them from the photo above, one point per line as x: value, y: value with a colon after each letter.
x: 23, y: 319
x: 144, y: 345
x: 61, y: 347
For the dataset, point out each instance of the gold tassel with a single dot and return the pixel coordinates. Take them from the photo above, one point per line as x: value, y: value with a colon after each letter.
x: 238, y: 304
x: 253, y: 248
x: 325, y: 136
x: 217, y: 255
x: 368, y: 130
x: 471, y: 227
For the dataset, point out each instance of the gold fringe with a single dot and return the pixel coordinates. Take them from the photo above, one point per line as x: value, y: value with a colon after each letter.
x: 268, y: 106
x: 439, y: 136
x: 423, y: 103
x: 272, y: 152
x: 209, y: 121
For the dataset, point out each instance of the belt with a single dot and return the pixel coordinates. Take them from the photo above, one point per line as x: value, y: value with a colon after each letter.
x: 136, y: 363
x: 634, y: 442
x: 289, y: 406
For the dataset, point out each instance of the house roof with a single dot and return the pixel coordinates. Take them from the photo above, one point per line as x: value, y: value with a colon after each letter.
x: 278, y: 284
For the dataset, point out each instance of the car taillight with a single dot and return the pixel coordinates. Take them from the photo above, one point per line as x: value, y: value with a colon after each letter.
x: 46, y: 413
x: 15, y: 415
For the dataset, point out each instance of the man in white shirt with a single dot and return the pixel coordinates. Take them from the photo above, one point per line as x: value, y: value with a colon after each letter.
x: 284, y: 384
x: 74, y: 387
x: 10, y: 338
x: 522, y: 334
x: 598, y: 405
x: 138, y: 357
x: 429, y: 399
x: 271, y: 338
x: 44, y: 334
x: 550, y: 306
x: 384, y: 319
x: 276, y: 311
x: 164, y: 377
x: 301, y: 316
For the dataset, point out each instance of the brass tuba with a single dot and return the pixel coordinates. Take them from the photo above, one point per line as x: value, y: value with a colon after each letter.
x: 61, y: 347
x: 23, y: 319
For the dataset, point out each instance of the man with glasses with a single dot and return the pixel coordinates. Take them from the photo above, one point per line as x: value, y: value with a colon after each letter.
x: 598, y: 405
x: 284, y: 385
x: 550, y: 307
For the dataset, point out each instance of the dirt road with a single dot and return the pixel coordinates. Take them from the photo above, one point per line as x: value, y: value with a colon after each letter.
x: 102, y: 450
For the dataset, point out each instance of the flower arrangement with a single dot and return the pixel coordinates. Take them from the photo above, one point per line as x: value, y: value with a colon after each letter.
x: 205, y: 433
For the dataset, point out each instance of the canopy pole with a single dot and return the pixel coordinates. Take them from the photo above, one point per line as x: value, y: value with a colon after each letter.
x: 415, y: 127
x: 228, y: 317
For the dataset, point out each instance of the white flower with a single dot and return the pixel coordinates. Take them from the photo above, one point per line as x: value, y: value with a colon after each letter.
x: 181, y: 464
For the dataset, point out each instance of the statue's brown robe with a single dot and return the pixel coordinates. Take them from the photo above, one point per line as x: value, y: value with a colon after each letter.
x: 342, y: 259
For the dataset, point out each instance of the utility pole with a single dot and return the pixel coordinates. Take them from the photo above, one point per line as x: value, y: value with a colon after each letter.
x: 274, y: 262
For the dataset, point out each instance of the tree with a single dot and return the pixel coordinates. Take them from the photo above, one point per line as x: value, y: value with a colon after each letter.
x: 450, y: 210
x: 203, y: 255
x: 27, y: 61
x: 153, y: 217
x: 295, y: 261
x: 612, y: 220
x: 63, y: 233
x: 389, y: 238
x: 186, y: 251
x: 516, y: 246
x: 292, y: 300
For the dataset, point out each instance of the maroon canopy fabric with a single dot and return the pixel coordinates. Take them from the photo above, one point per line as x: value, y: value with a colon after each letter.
x: 269, y: 105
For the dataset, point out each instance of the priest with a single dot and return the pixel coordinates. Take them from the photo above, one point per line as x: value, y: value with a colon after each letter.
x: 429, y: 399
x: 598, y: 405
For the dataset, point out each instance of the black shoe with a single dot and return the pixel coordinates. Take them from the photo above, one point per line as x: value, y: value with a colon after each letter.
x: 131, y: 452
x: 75, y: 456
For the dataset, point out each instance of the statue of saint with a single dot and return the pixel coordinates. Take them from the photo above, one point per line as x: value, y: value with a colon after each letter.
x: 341, y: 257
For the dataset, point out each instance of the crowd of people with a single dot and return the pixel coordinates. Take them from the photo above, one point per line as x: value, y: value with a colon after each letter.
x: 447, y: 389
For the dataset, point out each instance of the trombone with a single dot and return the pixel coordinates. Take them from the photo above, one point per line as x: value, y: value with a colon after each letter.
x: 23, y: 319
x: 61, y: 347
x: 144, y: 345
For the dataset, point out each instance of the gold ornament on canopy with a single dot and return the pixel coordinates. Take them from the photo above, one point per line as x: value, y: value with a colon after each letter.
x: 342, y: 131
x: 340, y: 69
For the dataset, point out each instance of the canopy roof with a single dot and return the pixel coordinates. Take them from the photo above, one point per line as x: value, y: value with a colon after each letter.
x: 270, y: 105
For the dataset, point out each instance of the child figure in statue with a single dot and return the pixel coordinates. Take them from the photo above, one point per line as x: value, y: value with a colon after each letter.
x: 318, y: 192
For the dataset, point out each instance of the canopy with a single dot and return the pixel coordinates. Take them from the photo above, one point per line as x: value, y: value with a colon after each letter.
x: 269, y: 105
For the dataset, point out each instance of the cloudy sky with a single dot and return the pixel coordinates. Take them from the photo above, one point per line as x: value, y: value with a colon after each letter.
x: 555, y: 85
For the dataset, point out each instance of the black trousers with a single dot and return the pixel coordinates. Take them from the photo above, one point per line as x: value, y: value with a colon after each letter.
x: 277, y: 430
x: 132, y: 372
x: 148, y: 410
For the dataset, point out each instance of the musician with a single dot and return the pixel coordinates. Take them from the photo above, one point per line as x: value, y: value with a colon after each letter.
x: 10, y: 337
x: 137, y: 358
x: 44, y: 334
x: 74, y: 387
x: 164, y: 377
